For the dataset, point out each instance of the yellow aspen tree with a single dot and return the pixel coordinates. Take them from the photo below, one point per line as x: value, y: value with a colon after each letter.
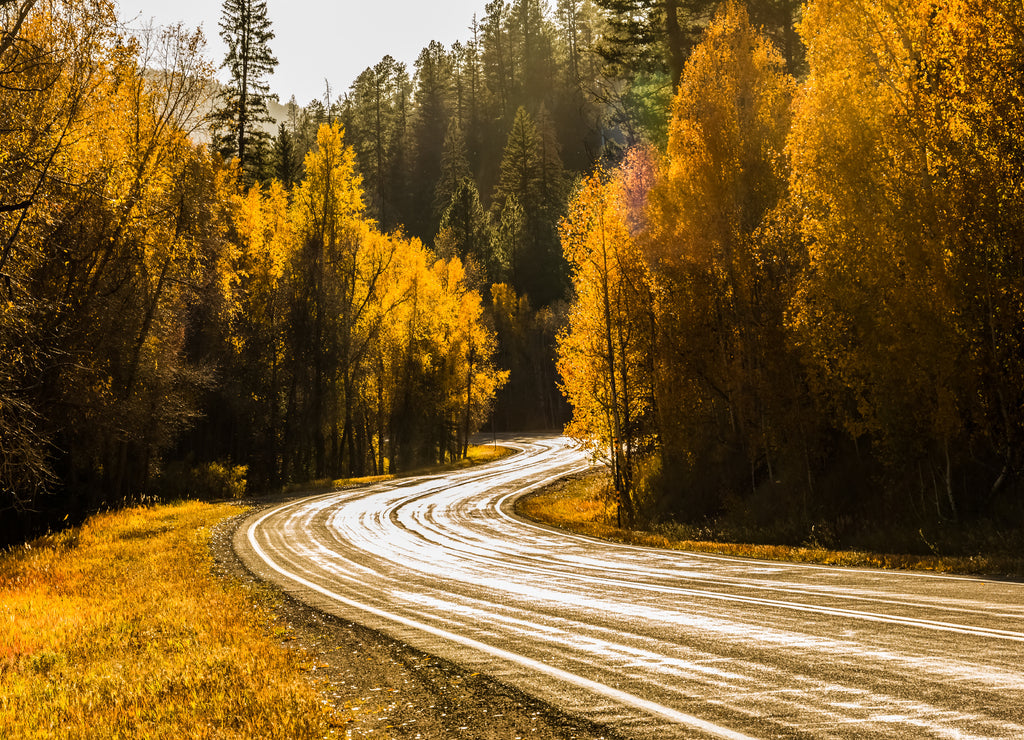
x: 380, y: 385
x: 907, y: 172
x: 327, y: 221
x: 970, y: 84
x: 257, y: 321
x: 876, y: 293
x: 469, y: 349
x: 120, y: 236
x: 720, y: 339
x: 603, y: 353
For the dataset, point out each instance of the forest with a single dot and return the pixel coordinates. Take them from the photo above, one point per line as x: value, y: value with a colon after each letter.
x: 764, y: 259
x: 804, y: 314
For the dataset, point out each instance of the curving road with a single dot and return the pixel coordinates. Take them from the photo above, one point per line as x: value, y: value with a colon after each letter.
x: 654, y: 644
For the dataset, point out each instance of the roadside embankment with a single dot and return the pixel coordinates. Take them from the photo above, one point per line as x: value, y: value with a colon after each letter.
x: 582, y: 504
x: 119, y: 628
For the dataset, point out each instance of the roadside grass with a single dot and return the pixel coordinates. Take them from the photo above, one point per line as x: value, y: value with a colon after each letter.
x: 582, y: 505
x: 475, y: 455
x: 119, y: 628
x: 479, y: 454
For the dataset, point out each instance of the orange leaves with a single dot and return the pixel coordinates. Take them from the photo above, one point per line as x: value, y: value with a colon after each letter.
x: 877, y: 297
x: 724, y: 166
x: 676, y: 331
x: 908, y: 172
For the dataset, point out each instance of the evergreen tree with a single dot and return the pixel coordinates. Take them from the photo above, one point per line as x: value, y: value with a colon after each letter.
x: 375, y: 115
x: 473, y: 90
x: 520, y: 163
x: 237, y: 122
x: 531, y: 174
x: 465, y: 233
x: 533, y: 48
x: 454, y: 166
x: 496, y: 56
x: 432, y: 99
x: 550, y: 171
x: 578, y: 115
x: 509, y: 234
x: 651, y: 35
x: 287, y: 167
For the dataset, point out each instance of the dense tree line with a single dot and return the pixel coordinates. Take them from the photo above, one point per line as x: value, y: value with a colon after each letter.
x: 156, y: 317
x: 777, y: 248
x: 806, y: 314
x: 475, y: 149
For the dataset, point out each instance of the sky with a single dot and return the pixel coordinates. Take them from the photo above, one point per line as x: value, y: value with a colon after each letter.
x: 317, y: 41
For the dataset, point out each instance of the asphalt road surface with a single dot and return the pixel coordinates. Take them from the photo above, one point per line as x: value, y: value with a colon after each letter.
x: 654, y: 644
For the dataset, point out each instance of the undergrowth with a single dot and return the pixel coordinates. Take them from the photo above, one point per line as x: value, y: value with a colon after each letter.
x: 584, y: 505
x: 475, y: 455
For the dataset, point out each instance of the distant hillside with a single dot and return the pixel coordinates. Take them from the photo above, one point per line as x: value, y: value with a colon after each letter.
x: 278, y: 112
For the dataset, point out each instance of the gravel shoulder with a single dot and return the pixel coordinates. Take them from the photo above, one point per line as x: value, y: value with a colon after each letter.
x: 382, y: 688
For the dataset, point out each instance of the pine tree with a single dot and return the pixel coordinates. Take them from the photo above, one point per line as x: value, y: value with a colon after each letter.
x: 454, y: 166
x: 287, y: 164
x: 465, y: 234
x: 651, y: 35
x: 237, y: 122
x: 433, y: 99
x: 520, y: 164
x: 374, y: 115
x: 531, y: 173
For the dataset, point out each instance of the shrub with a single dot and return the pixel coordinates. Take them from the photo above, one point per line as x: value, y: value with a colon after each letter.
x: 206, y: 481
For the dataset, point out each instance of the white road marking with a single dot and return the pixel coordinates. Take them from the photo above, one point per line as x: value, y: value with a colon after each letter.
x: 443, y: 557
x: 600, y: 689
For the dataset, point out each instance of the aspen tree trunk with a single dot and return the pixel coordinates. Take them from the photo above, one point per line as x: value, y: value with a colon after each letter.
x: 469, y: 401
x: 625, y: 501
x: 381, y: 431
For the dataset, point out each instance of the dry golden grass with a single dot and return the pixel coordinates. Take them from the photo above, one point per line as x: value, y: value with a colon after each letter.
x: 479, y: 454
x: 119, y: 629
x: 583, y: 506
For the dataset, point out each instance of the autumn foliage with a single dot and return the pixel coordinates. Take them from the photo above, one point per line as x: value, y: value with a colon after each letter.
x: 151, y: 310
x: 799, y: 309
x: 813, y: 319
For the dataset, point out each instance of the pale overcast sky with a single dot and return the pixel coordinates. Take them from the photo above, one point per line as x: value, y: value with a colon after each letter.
x: 317, y: 40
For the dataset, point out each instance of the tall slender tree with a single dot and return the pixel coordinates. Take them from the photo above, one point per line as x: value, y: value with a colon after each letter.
x: 237, y: 121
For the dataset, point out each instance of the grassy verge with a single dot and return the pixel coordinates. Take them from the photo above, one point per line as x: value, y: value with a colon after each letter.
x: 120, y: 629
x: 582, y: 505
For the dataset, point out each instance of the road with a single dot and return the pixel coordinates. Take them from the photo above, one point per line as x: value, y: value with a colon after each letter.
x: 654, y: 644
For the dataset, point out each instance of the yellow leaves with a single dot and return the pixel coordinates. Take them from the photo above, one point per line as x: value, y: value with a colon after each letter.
x: 611, y: 284
x: 263, y: 224
x: 902, y: 145
x: 249, y: 220
x: 331, y: 193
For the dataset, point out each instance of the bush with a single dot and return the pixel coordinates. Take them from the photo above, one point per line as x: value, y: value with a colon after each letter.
x: 206, y: 482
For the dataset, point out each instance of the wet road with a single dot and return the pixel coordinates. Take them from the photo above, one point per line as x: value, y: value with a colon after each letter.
x: 655, y: 644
